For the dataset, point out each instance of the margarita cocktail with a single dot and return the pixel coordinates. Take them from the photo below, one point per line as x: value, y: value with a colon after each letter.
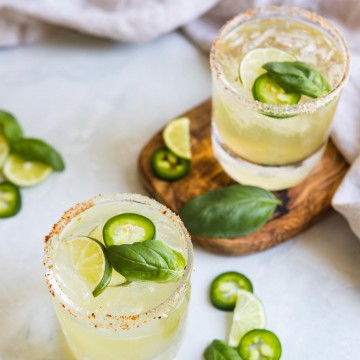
x: 277, y: 76
x: 118, y: 268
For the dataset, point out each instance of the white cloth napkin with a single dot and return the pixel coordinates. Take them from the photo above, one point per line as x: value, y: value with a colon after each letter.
x: 126, y: 20
x: 138, y: 20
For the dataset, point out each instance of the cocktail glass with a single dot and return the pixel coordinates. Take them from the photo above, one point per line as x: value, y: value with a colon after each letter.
x: 141, y: 321
x: 274, y: 146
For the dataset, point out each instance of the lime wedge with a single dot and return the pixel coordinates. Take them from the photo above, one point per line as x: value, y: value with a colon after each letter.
x: 25, y: 173
x: 176, y: 136
x: 4, y: 150
x: 251, y: 64
x: 249, y: 314
x: 88, y: 259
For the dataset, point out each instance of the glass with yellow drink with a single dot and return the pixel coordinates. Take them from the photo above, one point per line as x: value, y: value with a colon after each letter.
x: 118, y: 268
x: 277, y: 74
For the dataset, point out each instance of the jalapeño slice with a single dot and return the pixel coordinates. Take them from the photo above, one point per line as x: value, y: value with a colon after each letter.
x: 267, y: 90
x: 10, y: 200
x: 224, y: 288
x: 128, y: 228
x: 168, y: 166
x: 260, y: 344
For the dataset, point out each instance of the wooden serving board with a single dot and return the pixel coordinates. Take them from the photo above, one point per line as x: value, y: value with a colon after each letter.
x: 301, y: 206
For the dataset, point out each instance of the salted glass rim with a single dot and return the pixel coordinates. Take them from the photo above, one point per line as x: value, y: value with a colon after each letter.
x: 282, y: 12
x: 108, y: 320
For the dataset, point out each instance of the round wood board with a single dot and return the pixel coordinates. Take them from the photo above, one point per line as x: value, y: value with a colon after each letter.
x: 301, y: 206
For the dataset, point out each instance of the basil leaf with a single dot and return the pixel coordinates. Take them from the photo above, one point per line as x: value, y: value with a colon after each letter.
x: 9, y: 126
x: 218, y: 350
x: 149, y: 260
x: 230, y: 212
x: 298, y: 77
x: 38, y: 150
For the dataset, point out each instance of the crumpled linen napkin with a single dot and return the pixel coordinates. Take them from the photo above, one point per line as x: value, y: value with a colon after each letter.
x: 126, y: 20
x: 22, y: 21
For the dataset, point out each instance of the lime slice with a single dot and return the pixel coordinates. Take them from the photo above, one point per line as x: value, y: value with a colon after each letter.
x: 88, y: 259
x: 95, y: 233
x: 25, y: 173
x: 4, y: 150
x: 176, y: 136
x: 249, y: 314
x: 252, y: 62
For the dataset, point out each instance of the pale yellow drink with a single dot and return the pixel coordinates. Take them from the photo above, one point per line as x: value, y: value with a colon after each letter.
x: 141, y: 321
x: 274, y: 146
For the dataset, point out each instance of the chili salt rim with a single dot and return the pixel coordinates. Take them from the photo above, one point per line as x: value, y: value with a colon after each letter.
x: 109, y: 321
x: 282, y: 12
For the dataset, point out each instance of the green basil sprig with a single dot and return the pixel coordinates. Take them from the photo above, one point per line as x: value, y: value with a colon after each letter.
x: 218, y: 350
x: 9, y: 126
x: 38, y: 150
x: 298, y: 77
x: 229, y: 212
x: 149, y: 260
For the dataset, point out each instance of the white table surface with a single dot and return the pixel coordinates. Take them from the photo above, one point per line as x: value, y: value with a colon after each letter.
x: 99, y: 103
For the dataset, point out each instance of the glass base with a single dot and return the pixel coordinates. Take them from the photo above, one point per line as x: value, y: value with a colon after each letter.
x: 267, y: 177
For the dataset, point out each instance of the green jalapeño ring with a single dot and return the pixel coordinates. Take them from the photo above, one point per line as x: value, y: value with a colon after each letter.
x: 269, y: 129
x: 129, y: 320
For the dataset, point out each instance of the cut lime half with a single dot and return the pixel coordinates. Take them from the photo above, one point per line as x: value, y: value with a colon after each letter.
x: 249, y: 314
x: 176, y: 136
x: 88, y: 259
x: 251, y: 65
x: 25, y: 173
x: 4, y: 150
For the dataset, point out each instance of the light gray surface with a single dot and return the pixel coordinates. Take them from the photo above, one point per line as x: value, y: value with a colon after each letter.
x: 99, y: 103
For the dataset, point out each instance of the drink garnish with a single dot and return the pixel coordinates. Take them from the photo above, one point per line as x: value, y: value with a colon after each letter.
x: 25, y: 173
x: 38, y: 150
x: 248, y: 339
x: 229, y: 212
x: 168, y: 166
x: 251, y: 65
x: 149, y: 260
x: 88, y: 259
x: 260, y: 344
x: 130, y: 254
x: 9, y: 126
x: 224, y: 289
x: 249, y: 314
x: 267, y: 90
x: 176, y: 136
x: 128, y: 228
x: 298, y: 77
x: 24, y: 162
x: 218, y: 350
x: 10, y: 200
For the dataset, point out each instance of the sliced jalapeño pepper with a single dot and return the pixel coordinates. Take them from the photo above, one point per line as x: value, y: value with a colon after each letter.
x: 267, y: 90
x: 167, y: 166
x: 260, y: 344
x: 128, y: 228
x: 10, y: 200
x: 224, y: 288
